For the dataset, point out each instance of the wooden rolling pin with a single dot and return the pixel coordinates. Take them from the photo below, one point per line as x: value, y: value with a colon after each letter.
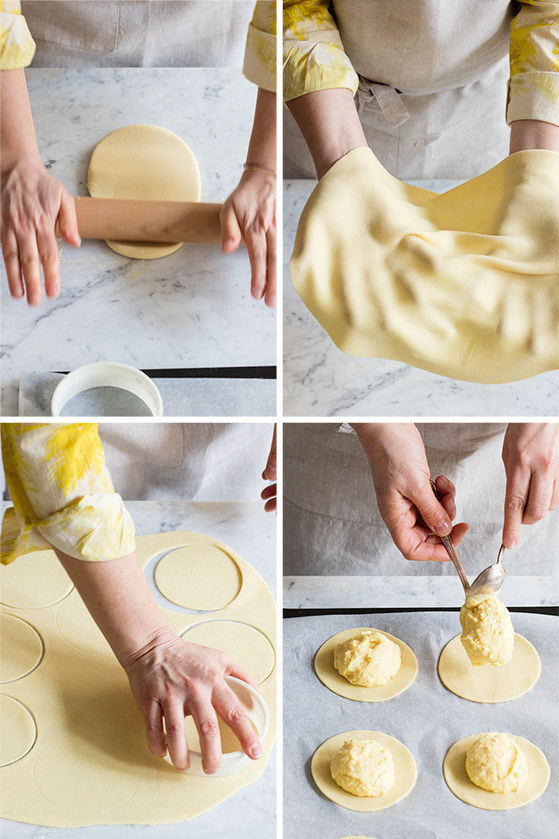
x: 125, y: 220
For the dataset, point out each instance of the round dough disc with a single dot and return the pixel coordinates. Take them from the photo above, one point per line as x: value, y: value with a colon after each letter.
x: 76, y: 626
x: 98, y: 698
x: 404, y: 766
x: 246, y: 645
x: 487, y: 683
x: 18, y: 731
x: 200, y: 577
x: 329, y: 676
x: 23, y: 588
x: 21, y: 650
x: 143, y: 162
x: 456, y: 777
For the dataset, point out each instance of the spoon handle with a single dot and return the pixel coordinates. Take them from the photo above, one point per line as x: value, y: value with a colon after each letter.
x: 447, y: 542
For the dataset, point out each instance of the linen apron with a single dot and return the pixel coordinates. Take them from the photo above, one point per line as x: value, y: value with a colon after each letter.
x: 432, y: 85
x: 332, y: 525
x: 138, y: 33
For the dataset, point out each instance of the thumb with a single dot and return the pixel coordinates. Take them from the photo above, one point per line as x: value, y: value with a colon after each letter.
x: 432, y: 511
x: 67, y: 221
x: 230, y: 230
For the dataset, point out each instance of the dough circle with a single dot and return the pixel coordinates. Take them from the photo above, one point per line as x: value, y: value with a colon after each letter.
x: 200, y: 577
x: 21, y: 650
x: 78, y: 627
x: 143, y: 162
x: 23, y: 588
x: 488, y: 683
x: 404, y: 766
x: 18, y: 731
x: 246, y: 645
x: 455, y: 775
x: 103, y: 704
x: 329, y: 676
x: 90, y: 775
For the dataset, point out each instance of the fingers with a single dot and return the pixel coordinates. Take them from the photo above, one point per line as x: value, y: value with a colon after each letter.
x: 173, y: 711
x: 67, y: 221
x: 256, y: 243
x: 11, y: 261
x: 207, y: 726
x: 432, y: 512
x: 48, y: 253
x: 447, y: 491
x: 269, y: 495
x: 270, y: 472
x: 270, y: 298
x: 155, y: 734
x: 427, y: 547
x: 234, y: 669
x: 539, y: 499
x: 515, y: 500
x: 29, y: 261
x: 228, y: 707
x: 230, y: 230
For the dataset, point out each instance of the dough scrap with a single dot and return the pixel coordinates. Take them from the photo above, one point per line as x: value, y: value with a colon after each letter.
x: 21, y: 650
x: 462, y: 284
x: 364, y: 768
x: 454, y: 770
x: 496, y: 763
x: 143, y: 162
x: 21, y: 586
x: 246, y: 645
x: 369, y: 659
x: 489, y: 684
x: 329, y: 676
x: 17, y: 732
x: 199, y: 577
x: 487, y: 633
x: 404, y: 766
x: 90, y: 763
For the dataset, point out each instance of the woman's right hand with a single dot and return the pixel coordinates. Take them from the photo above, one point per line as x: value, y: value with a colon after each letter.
x: 33, y: 202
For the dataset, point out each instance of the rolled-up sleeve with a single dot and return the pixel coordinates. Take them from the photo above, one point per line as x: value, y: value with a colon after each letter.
x: 313, y: 54
x: 17, y: 47
x: 260, y: 54
x: 62, y: 494
x: 534, y: 63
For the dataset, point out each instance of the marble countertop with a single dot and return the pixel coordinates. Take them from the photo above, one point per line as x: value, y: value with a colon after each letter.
x: 407, y: 592
x: 251, y: 811
x: 190, y: 309
x: 320, y: 380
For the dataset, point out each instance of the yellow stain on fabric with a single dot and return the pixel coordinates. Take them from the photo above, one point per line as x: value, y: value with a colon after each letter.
x: 71, y: 456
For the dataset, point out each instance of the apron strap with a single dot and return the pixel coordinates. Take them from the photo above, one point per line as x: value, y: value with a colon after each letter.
x: 389, y: 101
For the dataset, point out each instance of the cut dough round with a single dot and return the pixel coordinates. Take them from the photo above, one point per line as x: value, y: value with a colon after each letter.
x: 404, y: 768
x: 78, y: 627
x: 23, y: 588
x: 329, y: 676
x: 143, y: 162
x: 455, y: 775
x: 21, y: 650
x: 200, y: 577
x: 18, y: 731
x: 489, y: 683
x: 246, y: 645
x: 98, y: 699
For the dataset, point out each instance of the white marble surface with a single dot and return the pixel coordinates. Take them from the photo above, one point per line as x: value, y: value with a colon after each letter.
x: 251, y: 811
x: 407, y: 592
x: 190, y: 309
x: 320, y: 380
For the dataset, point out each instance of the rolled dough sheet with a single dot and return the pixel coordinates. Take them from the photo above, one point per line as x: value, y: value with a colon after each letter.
x: 21, y: 650
x: 488, y: 683
x: 201, y: 579
x: 462, y: 284
x: 458, y: 782
x: 329, y: 676
x: 143, y: 162
x: 89, y: 762
x: 18, y: 729
x: 22, y: 587
x: 404, y: 768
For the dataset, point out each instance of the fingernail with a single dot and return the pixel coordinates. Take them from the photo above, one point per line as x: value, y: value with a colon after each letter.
x: 510, y: 543
x: 256, y: 751
x: 271, y: 473
x: 210, y: 771
x: 443, y: 527
x: 271, y: 301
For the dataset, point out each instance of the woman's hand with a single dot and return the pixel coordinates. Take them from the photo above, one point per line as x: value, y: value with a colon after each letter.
x: 249, y: 214
x: 33, y: 202
x: 171, y: 679
x: 406, y: 501
x: 270, y: 473
x: 531, y: 459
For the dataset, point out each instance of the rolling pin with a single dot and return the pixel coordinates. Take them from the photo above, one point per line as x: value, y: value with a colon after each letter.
x: 127, y: 220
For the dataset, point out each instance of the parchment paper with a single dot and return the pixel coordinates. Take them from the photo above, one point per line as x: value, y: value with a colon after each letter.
x: 427, y: 718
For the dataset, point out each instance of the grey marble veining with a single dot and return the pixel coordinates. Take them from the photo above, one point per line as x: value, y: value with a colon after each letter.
x: 320, y: 380
x: 190, y: 309
x: 251, y: 811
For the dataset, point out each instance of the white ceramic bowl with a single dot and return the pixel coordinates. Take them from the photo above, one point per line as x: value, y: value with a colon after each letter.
x: 107, y: 374
x: 257, y: 711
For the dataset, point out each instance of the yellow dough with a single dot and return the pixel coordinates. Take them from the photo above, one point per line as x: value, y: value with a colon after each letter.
x: 405, y: 772
x: 363, y: 767
x: 76, y: 751
x: 456, y: 777
x: 487, y: 633
x: 198, y: 578
x: 496, y: 763
x: 334, y: 681
x: 143, y: 162
x: 22, y: 587
x: 245, y: 644
x: 463, y: 284
x: 369, y: 659
x: 489, y: 684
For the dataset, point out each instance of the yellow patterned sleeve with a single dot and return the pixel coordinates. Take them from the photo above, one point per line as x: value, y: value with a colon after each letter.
x: 62, y: 494
x: 534, y: 63
x: 17, y: 47
x: 313, y: 53
x: 260, y: 54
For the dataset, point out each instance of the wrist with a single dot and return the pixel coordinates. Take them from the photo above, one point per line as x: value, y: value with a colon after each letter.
x: 533, y: 134
x: 146, y: 648
x: 26, y: 158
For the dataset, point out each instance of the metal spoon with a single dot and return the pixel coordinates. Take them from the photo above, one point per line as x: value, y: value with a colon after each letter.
x: 447, y: 542
x: 491, y: 578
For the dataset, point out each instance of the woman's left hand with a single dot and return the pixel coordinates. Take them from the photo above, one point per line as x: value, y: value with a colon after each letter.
x: 249, y: 214
x: 270, y: 473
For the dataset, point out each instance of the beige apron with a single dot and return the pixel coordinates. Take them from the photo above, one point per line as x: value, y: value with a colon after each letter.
x: 433, y: 85
x: 332, y: 525
x: 138, y: 33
